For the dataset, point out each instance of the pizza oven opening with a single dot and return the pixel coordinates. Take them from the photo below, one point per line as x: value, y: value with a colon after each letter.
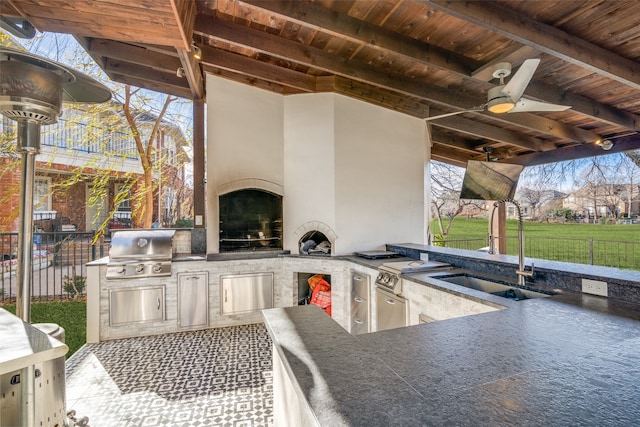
x: 250, y: 220
x: 314, y: 242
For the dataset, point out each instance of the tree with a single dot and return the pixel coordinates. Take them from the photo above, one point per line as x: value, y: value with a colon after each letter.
x: 534, y: 198
x: 446, y: 183
x: 145, y: 150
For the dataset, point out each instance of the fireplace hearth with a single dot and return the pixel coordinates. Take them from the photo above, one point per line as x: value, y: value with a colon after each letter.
x: 250, y: 220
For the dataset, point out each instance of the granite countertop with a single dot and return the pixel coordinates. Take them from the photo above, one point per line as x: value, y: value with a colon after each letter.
x: 570, y: 359
x: 22, y: 345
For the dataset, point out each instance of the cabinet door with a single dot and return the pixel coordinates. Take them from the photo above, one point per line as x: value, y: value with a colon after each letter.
x: 193, y: 300
x: 246, y: 292
x: 136, y: 305
x: 391, y: 310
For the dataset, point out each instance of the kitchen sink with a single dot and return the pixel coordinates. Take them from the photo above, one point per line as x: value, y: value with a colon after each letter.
x: 504, y: 290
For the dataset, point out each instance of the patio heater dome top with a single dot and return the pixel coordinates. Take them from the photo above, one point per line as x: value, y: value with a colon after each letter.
x: 33, y: 88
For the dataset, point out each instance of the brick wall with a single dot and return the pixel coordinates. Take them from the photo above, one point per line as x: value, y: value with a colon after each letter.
x: 9, y: 195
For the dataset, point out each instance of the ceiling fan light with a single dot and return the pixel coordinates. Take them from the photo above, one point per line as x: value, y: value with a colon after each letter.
x: 499, y: 102
x: 500, y: 105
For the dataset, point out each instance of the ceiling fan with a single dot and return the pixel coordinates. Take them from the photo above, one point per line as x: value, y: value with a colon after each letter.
x: 507, y: 98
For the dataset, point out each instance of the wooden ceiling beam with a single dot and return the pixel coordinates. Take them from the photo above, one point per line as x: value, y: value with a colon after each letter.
x: 546, y: 38
x: 180, y: 91
x: 193, y: 73
x: 134, y: 54
x: 153, y: 79
x: 278, y: 47
x: 345, y: 27
x: 573, y: 152
x: 445, y: 154
x: 257, y: 69
x: 465, y: 145
x: 482, y: 130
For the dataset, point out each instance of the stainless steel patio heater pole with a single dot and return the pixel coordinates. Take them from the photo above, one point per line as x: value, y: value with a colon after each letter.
x: 31, y: 93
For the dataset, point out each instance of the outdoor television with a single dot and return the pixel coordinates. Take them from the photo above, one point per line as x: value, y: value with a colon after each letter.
x: 490, y: 180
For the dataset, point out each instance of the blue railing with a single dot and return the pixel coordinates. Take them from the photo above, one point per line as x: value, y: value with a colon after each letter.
x: 59, y: 258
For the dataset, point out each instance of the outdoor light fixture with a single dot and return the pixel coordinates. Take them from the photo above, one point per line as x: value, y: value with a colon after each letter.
x: 180, y: 72
x: 605, y: 144
x: 498, y: 102
x: 197, y: 52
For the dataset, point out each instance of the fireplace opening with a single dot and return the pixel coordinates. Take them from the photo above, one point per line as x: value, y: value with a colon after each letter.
x: 250, y: 220
x: 315, y: 243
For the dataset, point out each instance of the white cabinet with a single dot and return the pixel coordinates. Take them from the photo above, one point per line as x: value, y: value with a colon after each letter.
x: 246, y: 292
x: 193, y: 300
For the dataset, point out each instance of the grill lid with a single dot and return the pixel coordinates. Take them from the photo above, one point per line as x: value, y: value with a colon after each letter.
x: 141, y: 245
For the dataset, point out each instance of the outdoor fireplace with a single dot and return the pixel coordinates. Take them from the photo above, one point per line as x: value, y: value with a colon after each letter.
x: 250, y: 220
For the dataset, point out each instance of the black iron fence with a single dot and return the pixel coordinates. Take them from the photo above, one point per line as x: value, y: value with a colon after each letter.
x: 606, y: 253
x: 59, y: 264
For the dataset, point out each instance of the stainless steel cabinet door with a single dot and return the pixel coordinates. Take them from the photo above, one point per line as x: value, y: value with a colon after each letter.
x: 246, y: 292
x: 193, y: 300
x: 136, y: 305
x: 391, y: 310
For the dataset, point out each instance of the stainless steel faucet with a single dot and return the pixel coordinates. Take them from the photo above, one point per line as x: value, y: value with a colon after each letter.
x: 521, y: 271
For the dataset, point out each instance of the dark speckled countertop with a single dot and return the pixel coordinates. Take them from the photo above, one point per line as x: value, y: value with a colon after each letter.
x: 571, y: 359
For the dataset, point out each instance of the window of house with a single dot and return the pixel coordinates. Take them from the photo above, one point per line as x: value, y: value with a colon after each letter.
x: 42, y: 194
x: 125, y: 204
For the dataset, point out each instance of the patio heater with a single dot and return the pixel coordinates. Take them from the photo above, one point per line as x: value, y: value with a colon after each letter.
x: 32, y: 90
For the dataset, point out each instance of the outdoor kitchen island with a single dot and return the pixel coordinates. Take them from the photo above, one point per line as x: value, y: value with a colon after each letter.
x: 569, y: 359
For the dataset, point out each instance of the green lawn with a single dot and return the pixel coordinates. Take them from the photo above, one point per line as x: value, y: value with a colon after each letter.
x: 70, y: 315
x: 613, y: 245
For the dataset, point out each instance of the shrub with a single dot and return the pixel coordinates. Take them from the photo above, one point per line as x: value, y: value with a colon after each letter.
x: 74, y: 285
x: 184, y: 223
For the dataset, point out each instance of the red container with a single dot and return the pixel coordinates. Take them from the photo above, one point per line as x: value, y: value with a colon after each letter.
x: 322, y: 299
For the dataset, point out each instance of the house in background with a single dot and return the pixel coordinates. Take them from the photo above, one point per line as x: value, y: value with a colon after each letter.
x: 535, y: 203
x: 87, y: 173
x: 595, y: 201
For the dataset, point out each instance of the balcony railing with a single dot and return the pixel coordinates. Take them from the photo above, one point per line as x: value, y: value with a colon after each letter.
x: 82, y: 138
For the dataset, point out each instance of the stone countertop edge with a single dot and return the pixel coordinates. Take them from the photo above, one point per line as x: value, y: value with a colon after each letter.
x: 22, y: 345
x: 586, y: 270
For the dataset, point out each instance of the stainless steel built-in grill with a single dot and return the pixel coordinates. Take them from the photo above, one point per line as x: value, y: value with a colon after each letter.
x: 140, y: 253
x: 389, y: 273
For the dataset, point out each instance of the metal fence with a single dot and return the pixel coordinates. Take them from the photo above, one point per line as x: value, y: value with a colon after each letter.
x: 59, y: 262
x: 606, y: 253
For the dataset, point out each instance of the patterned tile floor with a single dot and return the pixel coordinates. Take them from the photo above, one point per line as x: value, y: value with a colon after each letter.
x: 216, y: 377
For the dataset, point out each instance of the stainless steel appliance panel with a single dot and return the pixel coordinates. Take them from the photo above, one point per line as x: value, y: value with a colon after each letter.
x: 391, y: 310
x: 49, y: 395
x: 246, y: 292
x: 141, y: 244
x: 143, y: 304
x: 359, y: 303
x: 193, y: 300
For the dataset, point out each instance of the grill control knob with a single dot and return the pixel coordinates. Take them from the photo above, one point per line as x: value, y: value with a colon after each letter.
x: 121, y: 270
x: 157, y: 268
x: 140, y: 268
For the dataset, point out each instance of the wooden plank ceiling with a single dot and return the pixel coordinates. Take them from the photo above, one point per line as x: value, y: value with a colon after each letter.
x: 420, y: 57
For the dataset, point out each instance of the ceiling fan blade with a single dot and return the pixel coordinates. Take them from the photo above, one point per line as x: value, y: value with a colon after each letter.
x: 518, y: 83
x: 441, y: 116
x: 523, y: 105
